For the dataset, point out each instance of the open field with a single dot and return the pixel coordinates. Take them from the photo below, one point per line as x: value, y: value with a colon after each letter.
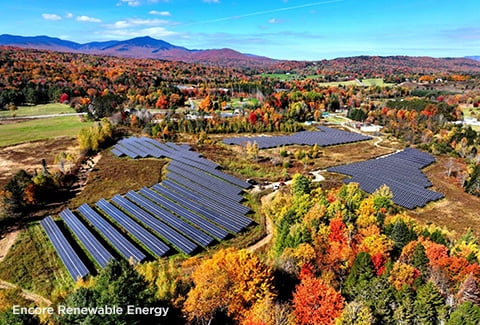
x: 37, y: 110
x: 113, y: 175
x: 469, y: 111
x: 363, y: 82
x: 28, y: 155
x: 458, y: 211
x: 283, y: 76
x: 40, y: 129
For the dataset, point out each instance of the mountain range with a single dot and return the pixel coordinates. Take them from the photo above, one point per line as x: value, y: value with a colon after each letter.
x: 141, y: 48
x: 150, y: 48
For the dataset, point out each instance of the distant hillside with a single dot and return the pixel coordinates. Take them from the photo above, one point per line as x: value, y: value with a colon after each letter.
x: 475, y: 57
x: 140, y: 48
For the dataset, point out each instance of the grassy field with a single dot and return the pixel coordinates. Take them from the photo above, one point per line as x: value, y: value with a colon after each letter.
x: 365, y: 82
x: 458, y: 211
x: 40, y: 129
x: 33, y: 265
x: 113, y: 175
x: 47, y: 109
x: 282, y: 76
x: 471, y: 112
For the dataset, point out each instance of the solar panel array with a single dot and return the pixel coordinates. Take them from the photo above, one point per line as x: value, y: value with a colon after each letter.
x: 194, y: 207
x: 67, y: 254
x: 400, y: 171
x: 323, y: 138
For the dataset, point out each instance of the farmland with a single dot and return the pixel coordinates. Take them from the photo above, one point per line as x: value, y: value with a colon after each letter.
x: 40, y: 129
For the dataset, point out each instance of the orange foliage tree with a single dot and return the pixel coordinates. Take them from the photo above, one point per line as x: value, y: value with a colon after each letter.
x: 315, y: 302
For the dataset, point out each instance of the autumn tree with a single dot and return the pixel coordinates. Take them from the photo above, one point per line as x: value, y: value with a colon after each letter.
x: 301, y: 185
x: 314, y: 302
x: 355, y: 313
x: 231, y: 281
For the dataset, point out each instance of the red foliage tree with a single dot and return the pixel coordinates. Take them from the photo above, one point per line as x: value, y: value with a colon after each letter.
x: 315, y: 302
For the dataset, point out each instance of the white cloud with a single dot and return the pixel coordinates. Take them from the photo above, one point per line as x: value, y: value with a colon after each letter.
x: 134, y: 22
x: 211, y: 1
x: 69, y: 15
x: 88, y: 19
x: 160, y: 13
x: 131, y: 3
x: 51, y: 17
x: 275, y: 21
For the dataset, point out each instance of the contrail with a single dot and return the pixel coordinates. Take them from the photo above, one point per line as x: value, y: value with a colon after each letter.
x: 257, y: 13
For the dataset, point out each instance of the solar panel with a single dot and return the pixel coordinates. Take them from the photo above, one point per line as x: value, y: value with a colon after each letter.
x: 167, y: 217
x: 227, y: 211
x: 155, y: 245
x: 324, y: 137
x: 170, y: 234
x: 201, y: 210
x: 125, y: 247
x: 193, y: 218
x: 93, y: 246
x: 67, y: 254
x: 400, y: 171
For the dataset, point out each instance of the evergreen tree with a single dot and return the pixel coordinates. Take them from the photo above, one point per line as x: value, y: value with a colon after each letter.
x: 420, y: 260
x: 9, y: 318
x: 401, y: 235
x: 428, y: 304
x: 466, y: 314
x: 361, y: 272
x: 405, y: 313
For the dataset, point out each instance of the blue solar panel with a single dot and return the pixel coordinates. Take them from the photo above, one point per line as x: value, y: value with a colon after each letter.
x: 191, y: 217
x: 125, y: 247
x: 227, y: 211
x: 94, y: 247
x: 155, y: 245
x: 69, y: 257
x: 170, y: 234
x: 324, y: 137
x: 399, y: 171
x: 201, y: 210
x: 179, y: 224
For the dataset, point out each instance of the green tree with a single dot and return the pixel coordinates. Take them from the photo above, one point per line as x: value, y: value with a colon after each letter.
x: 361, y: 272
x: 419, y: 259
x: 466, y: 314
x: 117, y: 284
x: 9, y: 318
x: 429, y: 304
x: 301, y: 185
x: 355, y: 313
x: 404, y: 314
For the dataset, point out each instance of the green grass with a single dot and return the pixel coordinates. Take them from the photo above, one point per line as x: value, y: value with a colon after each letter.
x: 40, y: 129
x: 33, y: 264
x: 467, y: 112
x: 47, y: 109
x: 283, y: 77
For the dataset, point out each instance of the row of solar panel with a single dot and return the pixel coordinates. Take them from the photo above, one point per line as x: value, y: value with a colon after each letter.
x: 400, y: 171
x: 325, y: 137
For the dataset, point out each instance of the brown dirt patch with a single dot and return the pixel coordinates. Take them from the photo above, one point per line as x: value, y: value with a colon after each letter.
x: 29, y: 155
x: 6, y: 242
x: 112, y: 175
x: 458, y: 211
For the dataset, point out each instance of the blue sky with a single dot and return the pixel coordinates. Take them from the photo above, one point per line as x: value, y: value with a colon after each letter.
x: 283, y: 29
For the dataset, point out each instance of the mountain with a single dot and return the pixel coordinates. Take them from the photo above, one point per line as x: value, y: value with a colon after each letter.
x: 474, y: 57
x: 140, y: 48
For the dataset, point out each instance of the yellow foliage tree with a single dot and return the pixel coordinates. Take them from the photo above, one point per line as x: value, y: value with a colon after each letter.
x: 402, y: 274
x: 232, y: 280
